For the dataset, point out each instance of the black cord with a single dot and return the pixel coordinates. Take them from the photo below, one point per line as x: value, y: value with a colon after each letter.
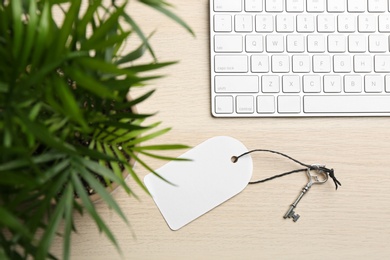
x: 330, y: 172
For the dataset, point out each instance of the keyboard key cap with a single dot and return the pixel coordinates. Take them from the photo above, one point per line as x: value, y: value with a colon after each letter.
x: 270, y: 84
x: 342, y: 63
x: 332, y: 84
x: 346, y: 23
x: 243, y: 23
x: 335, y: 6
x: 291, y: 84
x: 367, y: 23
x: 357, y: 43
x: 254, y: 43
x: 259, y: 63
x: 357, y: 6
x: 301, y: 63
x: 382, y: 63
x: 312, y: 84
x: 305, y: 23
x: 315, y: 6
x: 227, y: 6
x: 265, y: 104
x: 253, y: 5
x: 231, y: 63
x: 289, y: 104
x: 353, y: 84
x: 284, y: 23
x: 384, y: 23
x: 373, y: 84
x: 222, y: 23
x: 245, y: 105
x: 274, y: 43
x: 295, y: 43
x: 295, y: 6
x: 362, y: 63
x: 316, y: 43
x: 228, y: 43
x: 237, y: 84
x: 274, y: 5
x: 321, y: 63
x: 337, y: 43
x: 378, y: 43
x: 377, y: 6
x: 325, y: 23
x: 387, y: 83
x: 346, y: 104
x: 280, y: 63
x: 224, y: 104
x: 264, y: 23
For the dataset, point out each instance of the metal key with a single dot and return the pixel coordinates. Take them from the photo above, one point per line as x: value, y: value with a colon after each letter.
x: 313, y: 179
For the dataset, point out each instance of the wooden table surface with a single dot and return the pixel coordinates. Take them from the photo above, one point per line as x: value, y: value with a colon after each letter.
x: 350, y: 223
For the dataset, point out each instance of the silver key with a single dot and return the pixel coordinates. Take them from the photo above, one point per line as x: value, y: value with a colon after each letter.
x: 320, y: 178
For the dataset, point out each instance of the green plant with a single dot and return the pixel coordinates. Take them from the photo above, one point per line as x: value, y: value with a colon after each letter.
x: 66, y: 125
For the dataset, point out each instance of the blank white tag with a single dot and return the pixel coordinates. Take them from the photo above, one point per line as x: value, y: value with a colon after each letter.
x: 208, y: 180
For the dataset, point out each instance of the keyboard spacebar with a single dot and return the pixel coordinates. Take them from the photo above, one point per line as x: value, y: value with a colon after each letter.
x: 346, y: 104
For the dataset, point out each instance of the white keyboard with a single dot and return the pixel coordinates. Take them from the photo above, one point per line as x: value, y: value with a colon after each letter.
x: 300, y: 58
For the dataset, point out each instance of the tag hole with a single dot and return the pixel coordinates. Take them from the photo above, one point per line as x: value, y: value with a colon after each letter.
x: 234, y: 159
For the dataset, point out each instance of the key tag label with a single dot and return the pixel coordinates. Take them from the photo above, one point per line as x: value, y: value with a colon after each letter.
x: 202, y: 184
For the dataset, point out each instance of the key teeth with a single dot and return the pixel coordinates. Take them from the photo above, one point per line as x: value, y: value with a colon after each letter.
x: 295, y: 217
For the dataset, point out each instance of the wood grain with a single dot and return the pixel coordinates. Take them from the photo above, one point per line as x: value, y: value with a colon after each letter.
x: 351, y: 223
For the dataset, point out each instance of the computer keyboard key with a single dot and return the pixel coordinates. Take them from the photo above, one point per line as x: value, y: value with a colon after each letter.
x: 264, y: 23
x: 260, y: 63
x: 243, y: 23
x: 362, y: 63
x: 305, y: 23
x: 332, y: 84
x: 224, y: 104
x: 342, y: 63
x: 373, y: 84
x: 337, y: 43
x: 382, y: 63
x: 228, y: 43
x: 245, y: 105
x: 289, y: 104
x: 295, y: 6
x: 357, y: 43
x: 254, y: 43
x: 231, y: 63
x: 378, y: 43
x: 387, y: 83
x: 377, y: 6
x: 367, y: 23
x: 291, y: 84
x: 353, y: 84
x: 237, y: 84
x: 253, y: 5
x: 312, y: 84
x: 346, y: 104
x: 321, y: 63
x: 326, y: 23
x: 384, y: 23
x: 315, y: 6
x: 274, y: 5
x: 280, y: 63
x: 227, y: 5
x: 284, y: 23
x: 346, y: 23
x: 357, y: 6
x: 270, y: 84
x: 295, y: 43
x: 222, y: 23
x: 274, y: 43
x: 316, y: 43
x: 301, y: 63
x: 265, y: 104
x: 335, y: 6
